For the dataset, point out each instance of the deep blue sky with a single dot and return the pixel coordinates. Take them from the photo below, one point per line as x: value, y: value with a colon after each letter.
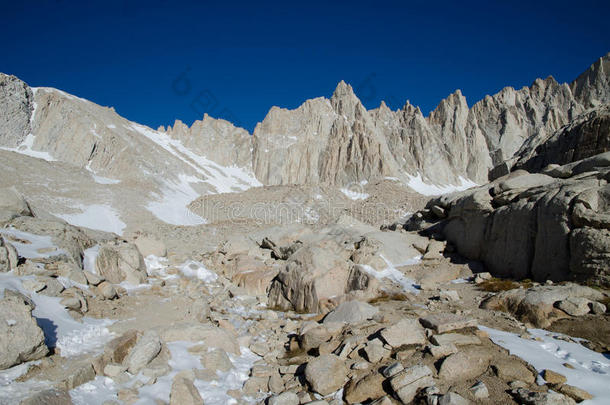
x: 250, y: 56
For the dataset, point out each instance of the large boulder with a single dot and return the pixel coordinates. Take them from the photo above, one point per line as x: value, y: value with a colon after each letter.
x: 12, y: 204
x: 21, y: 339
x: 536, y: 226
x: 326, y: 374
x: 536, y: 305
x: 317, y: 273
x: 121, y: 261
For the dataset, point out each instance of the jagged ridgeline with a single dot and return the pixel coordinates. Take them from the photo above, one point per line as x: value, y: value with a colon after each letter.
x: 333, y: 141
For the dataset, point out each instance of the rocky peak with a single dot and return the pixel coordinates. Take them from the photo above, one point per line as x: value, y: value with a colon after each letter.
x: 16, y: 107
x: 592, y: 87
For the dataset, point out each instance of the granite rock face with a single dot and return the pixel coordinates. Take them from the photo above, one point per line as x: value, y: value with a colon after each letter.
x: 535, y: 225
x: 16, y: 106
x: 334, y: 141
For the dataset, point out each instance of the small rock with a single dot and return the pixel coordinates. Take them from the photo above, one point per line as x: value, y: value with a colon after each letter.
x: 146, y: 349
x: 479, y: 390
x: 406, y: 383
x: 451, y: 398
x: 351, y: 312
x: 392, y: 369
x: 107, y: 290
x: 575, y: 306
x: 553, y: 378
x: 50, y: 396
x: 449, y: 295
x: 326, y: 374
x: 455, y: 339
x: 512, y: 369
x: 576, y: 393
x: 598, y: 308
x: 528, y: 397
x: 442, y: 351
x: 446, y: 322
x: 375, y: 351
x: 92, y: 278
x: 113, y: 369
x: 216, y: 360
x: 404, y: 332
x: 184, y: 392
x: 466, y: 364
x: 286, y: 398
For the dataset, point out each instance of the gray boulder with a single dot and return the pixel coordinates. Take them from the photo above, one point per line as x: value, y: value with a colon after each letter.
x: 145, y: 350
x: 21, y: 339
x: 351, y: 312
x: 121, y: 261
x: 326, y: 374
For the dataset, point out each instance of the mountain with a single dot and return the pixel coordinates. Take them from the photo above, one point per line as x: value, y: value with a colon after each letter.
x: 121, y: 172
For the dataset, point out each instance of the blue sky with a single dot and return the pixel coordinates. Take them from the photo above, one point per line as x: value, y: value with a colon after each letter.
x: 239, y: 59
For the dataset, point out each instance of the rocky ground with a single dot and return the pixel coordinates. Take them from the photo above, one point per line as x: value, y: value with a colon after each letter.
x: 334, y: 312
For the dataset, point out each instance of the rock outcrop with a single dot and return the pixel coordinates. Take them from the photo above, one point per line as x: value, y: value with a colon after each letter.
x: 16, y: 106
x: 21, y: 339
x: 535, y: 225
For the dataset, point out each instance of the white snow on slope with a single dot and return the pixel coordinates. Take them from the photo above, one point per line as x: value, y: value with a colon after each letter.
x: 191, y: 268
x: 100, y: 179
x: 97, y: 216
x: 223, y: 179
x: 171, y: 205
x: 591, y: 370
x: 90, y: 257
x: 354, y: 195
x: 31, y: 246
x: 61, y: 331
x: 26, y: 149
x: 393, y: 274
x: 418, y: 184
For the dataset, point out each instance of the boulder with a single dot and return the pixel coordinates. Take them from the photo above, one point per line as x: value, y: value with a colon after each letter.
x: 468, y: 363
x: 407, y: 383
x: 184, y: 392
x: 285, y: 398
x: 575, y: 306
x: 146, y: 349
x: 51, y: 396
x: 326, y: 374
x: 351, y: 312
x: 12, y: 204
x: 121, y: 261
x: 367, y: 388
x: 445, y: 322
x: 314, y: 274
x: 21, y: 339
x: 404, y: 332
x: 536, y: 305
x: 527, y: 397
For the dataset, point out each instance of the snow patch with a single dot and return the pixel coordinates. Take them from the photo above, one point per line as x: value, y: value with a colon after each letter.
x: 100, y: 179
x: 25, y: 148
x: 171, y: 203
x: 191, y: 268
x: 591, y: 370
x: 61, y: 331
x: 97, y: 216
x: 32, y: 246
x: 354, y: 195
x: 418, y: 184
x: 223, y: 179
x: 393, y: 274
x: 89, y: 259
